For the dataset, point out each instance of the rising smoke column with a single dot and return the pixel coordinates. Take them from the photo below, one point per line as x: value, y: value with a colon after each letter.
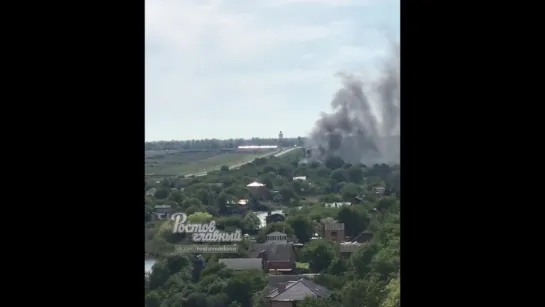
x: 352, y: 130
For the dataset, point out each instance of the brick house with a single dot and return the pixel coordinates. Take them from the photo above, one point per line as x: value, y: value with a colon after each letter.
x: 279, y: 257
x: 289, y: 293
x: 333, y: 232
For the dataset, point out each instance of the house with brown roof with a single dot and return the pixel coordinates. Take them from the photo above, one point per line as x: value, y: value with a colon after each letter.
x: 279, y: 257
x: 289, y: 293
x: 333, y: 232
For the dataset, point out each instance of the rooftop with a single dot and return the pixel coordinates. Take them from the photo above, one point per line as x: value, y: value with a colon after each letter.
x: 279, y: 251
x: 298, y: 290
x: 255, y: 184
x: 239, y: 264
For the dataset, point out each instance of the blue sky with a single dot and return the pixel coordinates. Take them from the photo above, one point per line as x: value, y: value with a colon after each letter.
x: 250, y: 68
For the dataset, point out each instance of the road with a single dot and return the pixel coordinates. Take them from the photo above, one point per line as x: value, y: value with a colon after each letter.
x: 275, y: 153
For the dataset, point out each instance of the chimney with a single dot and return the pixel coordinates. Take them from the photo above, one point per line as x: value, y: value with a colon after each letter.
x: 282, y: 287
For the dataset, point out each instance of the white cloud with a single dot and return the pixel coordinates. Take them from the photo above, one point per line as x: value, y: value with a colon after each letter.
x: 319, y: 2
x: 206, y: 59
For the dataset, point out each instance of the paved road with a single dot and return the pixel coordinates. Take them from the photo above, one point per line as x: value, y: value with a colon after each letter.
x: 275, y: 153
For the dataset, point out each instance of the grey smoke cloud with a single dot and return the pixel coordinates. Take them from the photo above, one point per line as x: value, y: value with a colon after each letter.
x: 353, y: 130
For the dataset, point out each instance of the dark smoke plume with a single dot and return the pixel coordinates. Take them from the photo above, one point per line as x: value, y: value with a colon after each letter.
x: 352, y: 131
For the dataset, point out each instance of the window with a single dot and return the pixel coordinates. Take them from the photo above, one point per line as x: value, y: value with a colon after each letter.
x: 334, y: 233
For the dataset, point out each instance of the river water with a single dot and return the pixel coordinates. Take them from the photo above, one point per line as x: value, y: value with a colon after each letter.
x: 260, y: 214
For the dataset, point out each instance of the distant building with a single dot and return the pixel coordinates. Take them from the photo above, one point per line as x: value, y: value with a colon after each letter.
x: 279, y: 257
x: 358, y: 199
x: 302, y: 178
x: 151, y: 192
x: 334, y: 232
x: 379, y: 190
x: 337, y: 204
x: 277, y: 237
x: 349, y: 247
x: 289, y: 293
x: 161, y: 212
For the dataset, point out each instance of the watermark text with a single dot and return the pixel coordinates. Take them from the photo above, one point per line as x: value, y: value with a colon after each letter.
x: 203, y: 232
x: 206, y: 249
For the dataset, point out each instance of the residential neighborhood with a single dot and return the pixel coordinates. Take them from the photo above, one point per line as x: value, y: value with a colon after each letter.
x: 295, y: 243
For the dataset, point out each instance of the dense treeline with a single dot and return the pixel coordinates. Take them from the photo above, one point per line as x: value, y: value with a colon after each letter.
x: 368, y: 277
x: 216, y: 144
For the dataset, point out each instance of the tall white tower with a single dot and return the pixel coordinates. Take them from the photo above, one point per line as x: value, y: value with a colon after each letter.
x: 280, y: 137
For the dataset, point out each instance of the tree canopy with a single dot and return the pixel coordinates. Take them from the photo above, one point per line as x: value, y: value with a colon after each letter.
x: 367, y: 277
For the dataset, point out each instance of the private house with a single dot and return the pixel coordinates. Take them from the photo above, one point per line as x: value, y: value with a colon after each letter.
x: 337, y: 204
x: 242, y: 264
x: 333, y: 232
x: 287, y: 294
x: 347, y: 248
x: 274, y: 280
x: 358, y: 199
x: 161, y: 212
x: 379, y: 190
x: 151, y: 192
x: 277, y: 237
x: 279, y: 257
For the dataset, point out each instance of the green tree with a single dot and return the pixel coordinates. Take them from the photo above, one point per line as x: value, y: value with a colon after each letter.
x: 199, y: 218
x: 318, y: 254
x: 153, y: 299
x: 350, y: 190
x: 162, y: 193
x: 362, y: 293
x: 338, y: 175
x: 355, y: 174
x: 302, y: 227
x: 392, y: 298
x: 251, y: 221
x: 355, y: 220
x: 243, y: 285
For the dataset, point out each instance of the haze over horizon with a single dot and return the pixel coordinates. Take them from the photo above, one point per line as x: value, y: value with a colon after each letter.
x: 250, y: 68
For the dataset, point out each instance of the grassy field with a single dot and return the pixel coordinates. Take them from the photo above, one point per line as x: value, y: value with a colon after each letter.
x: 301, y: 265
x: 186, y: 163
